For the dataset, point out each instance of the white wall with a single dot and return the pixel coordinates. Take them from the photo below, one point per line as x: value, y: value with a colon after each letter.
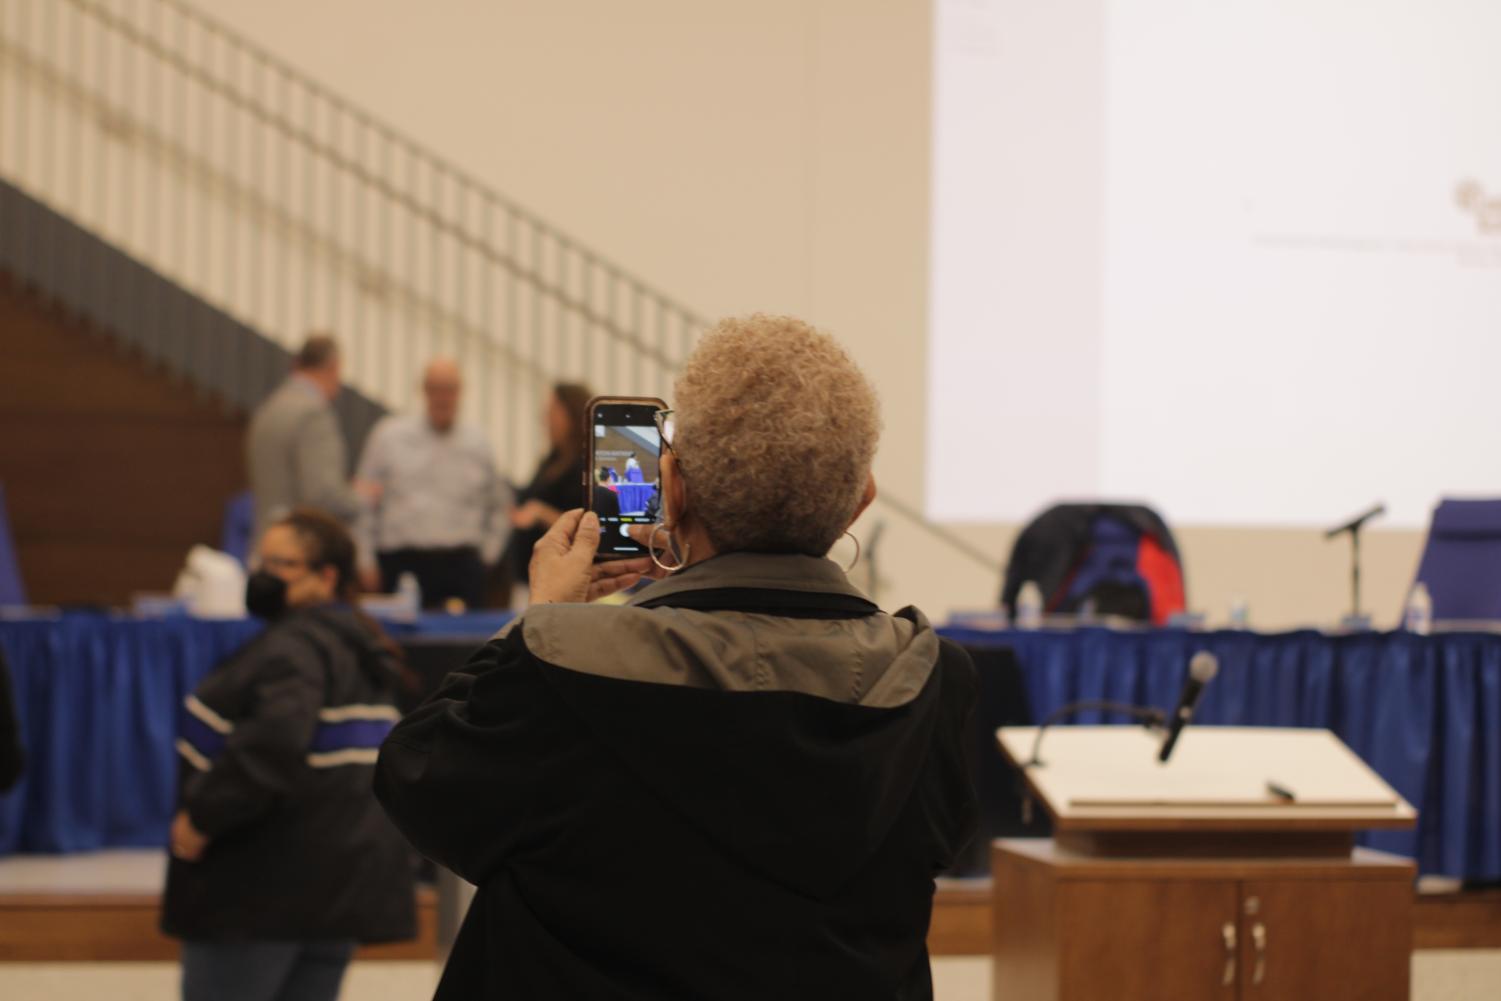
x: 770, y: 155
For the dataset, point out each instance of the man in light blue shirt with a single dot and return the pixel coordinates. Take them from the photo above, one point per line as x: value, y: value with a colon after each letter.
x: 441, y: 515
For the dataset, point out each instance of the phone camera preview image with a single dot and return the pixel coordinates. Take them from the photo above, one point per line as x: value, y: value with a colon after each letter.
x: 625, y: 474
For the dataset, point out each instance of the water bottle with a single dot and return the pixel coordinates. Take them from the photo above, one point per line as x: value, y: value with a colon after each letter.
x: 1240, y: 614
x: 409, y: 596
x: 1029, y: 606
x: 1419, y: 614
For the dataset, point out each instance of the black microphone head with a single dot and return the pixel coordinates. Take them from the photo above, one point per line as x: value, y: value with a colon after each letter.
x: 1203, y: 667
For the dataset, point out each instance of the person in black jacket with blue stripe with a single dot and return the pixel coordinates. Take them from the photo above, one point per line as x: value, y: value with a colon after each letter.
x: 282, y: 860
x: 741, y: 784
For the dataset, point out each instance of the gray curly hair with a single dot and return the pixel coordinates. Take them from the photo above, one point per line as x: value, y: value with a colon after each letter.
x: 776, y: 429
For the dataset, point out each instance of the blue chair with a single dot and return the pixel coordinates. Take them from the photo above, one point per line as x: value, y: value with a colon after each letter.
x: 12, y: 591
x: 1461, y: 565
x: 239, y: 526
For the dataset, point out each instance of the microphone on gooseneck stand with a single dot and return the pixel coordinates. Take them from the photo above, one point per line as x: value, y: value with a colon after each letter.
x: 1201, y: 669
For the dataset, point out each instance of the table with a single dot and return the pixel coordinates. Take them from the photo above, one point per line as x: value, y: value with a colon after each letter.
x: 635, y: 496
x: 99, y: 698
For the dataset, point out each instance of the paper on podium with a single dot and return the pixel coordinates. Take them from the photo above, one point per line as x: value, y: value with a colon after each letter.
x: 1113, y: 771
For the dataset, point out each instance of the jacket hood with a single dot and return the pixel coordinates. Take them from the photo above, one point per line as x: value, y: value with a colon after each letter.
x: 328, y: 624
x: 764, y: 700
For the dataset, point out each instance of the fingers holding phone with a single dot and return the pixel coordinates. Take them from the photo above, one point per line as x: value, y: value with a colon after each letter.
x: 563, y: 559
x: 619, y: 575
x: 563, y: 566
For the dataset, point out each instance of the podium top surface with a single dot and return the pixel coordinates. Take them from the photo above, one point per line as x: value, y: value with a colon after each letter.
x: 1109, y: 778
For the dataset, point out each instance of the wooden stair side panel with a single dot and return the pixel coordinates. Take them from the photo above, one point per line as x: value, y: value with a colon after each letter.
x: 112, y: 468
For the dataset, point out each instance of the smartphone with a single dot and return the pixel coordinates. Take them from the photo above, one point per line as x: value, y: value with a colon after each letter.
x: 623, y: 485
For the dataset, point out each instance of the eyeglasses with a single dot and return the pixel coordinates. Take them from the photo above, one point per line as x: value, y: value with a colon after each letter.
x: 282, y: 563
x: 665, y: 427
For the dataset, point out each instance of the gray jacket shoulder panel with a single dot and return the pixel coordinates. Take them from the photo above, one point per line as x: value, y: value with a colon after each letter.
x: 878, y: 660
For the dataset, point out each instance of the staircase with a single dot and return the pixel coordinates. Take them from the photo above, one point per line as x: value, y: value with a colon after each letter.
x: 285, y: 209
x: 218, y: 204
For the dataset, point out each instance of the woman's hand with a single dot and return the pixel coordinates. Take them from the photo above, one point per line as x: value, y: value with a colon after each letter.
x: 188, y: 843
x: 563, y: 567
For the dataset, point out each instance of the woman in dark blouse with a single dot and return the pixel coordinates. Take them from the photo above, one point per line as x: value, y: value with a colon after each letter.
x: 558, y: 484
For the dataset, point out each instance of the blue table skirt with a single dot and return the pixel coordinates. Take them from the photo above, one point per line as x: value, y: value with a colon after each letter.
x: 98, y: 698
x: 1423, y: 711
x: 635, y: 496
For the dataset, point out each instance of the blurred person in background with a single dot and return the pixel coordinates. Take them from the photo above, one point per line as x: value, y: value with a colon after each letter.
x: 441, y: 514
x: 281, y: 858
x: 295, y: 450
x: 558, y: 484
x: 741, y: 784
x: 606, y: 498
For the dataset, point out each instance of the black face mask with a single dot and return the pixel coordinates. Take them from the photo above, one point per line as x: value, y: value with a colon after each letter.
x: 265, y: 595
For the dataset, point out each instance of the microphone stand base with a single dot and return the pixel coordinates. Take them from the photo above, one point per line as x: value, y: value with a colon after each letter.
x: 1355, y: 623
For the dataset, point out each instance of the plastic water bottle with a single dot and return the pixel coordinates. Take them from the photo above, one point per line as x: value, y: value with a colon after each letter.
x: 1029, y: 606
x: 409, y: 595
x: 1240, y: 614
x: 1418, y: 617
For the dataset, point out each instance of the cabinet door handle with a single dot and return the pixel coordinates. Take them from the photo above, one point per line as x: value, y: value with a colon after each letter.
x: 1228, y: 932
x: 1258, y: 939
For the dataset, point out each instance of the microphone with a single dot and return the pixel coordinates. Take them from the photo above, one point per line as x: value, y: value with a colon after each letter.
x: 1201, y: 669
x: 1357, y: 523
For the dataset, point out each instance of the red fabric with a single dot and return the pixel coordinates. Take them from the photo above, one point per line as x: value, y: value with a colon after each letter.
x: 1164, y: 579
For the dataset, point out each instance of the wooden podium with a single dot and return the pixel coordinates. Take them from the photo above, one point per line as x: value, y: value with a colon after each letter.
x: 1192, y: 879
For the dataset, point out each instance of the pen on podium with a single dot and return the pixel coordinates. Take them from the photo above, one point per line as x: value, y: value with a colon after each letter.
x: 1280, y: 791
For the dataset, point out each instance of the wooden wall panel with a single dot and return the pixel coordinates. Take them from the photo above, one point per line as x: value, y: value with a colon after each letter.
x: 112, y: 469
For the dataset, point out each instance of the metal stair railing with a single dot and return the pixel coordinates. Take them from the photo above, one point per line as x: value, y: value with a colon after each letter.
x: 283, y: 205
x: 255, y: 187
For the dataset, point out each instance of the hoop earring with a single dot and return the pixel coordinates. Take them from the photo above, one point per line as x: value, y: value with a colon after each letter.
x: 672, y: 547
x: 856, y: 540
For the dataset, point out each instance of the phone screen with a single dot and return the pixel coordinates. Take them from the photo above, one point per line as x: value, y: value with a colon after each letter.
x: 625, y: 485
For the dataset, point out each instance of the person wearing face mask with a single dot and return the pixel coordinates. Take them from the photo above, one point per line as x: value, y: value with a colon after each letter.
x: 282, y: 860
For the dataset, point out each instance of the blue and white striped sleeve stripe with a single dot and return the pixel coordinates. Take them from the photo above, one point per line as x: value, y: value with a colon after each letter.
x: 350, y: 735
x: 202, y: 735
x: 346, y: 735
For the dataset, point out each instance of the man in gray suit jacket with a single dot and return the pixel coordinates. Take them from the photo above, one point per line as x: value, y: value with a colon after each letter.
x: 295, y: 450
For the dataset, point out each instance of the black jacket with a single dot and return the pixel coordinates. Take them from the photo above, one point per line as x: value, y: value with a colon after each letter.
x: 740, y: 786
x: 278, y: 746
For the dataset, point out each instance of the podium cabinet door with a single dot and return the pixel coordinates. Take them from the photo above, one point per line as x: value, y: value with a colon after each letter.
x: 1335, y: 939
x: 1148, y: 940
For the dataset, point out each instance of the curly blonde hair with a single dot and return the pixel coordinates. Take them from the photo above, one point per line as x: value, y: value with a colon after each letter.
x: 775, y: 432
